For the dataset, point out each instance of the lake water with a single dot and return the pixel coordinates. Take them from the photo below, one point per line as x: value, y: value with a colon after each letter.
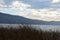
x: 43, y: 27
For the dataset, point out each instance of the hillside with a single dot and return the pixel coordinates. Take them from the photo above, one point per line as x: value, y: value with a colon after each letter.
x: 12, y: 19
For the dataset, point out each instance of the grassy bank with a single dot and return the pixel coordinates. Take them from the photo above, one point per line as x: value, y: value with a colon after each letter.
x: 27, y: 33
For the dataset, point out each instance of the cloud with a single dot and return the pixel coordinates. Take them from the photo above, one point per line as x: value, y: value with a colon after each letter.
x: 1, y: 3
x: 37, y: 3
x: 45, y: 14
x: 55, y: 1
x: 43, y: 3
x: 15, y: 7
x: 19, y: 5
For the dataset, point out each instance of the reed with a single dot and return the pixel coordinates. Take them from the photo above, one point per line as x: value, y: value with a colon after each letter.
x: 28, y: 33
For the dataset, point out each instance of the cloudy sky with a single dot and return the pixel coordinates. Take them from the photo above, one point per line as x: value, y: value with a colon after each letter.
x: 47, y: 10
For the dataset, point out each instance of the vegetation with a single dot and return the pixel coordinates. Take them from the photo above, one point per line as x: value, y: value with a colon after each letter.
x: 27, y: 33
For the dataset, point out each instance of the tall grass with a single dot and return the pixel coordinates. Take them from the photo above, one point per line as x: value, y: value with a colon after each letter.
x: 28, y: 33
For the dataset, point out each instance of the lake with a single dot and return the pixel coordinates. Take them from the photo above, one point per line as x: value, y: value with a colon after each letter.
x: 43, y: 27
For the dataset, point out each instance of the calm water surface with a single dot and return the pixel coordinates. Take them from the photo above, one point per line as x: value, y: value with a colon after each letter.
x: 43, y: 27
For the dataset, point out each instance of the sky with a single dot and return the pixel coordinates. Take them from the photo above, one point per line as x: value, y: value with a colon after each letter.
x: 47, y: 10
